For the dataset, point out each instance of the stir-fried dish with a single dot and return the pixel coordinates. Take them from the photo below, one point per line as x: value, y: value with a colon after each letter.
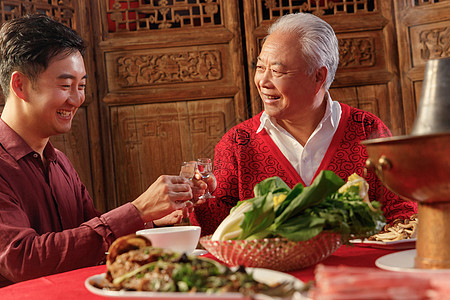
x: 133, y: 264
x: 401, y: 229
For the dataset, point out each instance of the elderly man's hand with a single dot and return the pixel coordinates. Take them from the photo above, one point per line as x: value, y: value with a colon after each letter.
x: 199, y: 188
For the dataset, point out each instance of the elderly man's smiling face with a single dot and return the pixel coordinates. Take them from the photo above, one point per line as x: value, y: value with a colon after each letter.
x: 282, y: 80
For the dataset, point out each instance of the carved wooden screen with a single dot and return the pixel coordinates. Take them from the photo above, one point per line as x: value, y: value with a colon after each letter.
x: 171, y: 84
x: 423, y: 29
x: 81, y: 142
x: 367, y: 76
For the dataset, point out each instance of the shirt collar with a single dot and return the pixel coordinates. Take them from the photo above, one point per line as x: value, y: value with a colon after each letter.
x: 266, y: 121
x: 269, y: 122
x: 16, y: 146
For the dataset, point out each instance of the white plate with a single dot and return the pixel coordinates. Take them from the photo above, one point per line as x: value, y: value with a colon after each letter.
x: 262, y: 275
x: 394, y: 245
x: 198, y: 252
x: 403, y: 261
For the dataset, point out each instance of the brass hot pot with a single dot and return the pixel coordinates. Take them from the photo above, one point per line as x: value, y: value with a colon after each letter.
x: 417, y: 166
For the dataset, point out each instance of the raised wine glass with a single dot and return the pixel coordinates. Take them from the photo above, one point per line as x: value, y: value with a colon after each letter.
x: 187, y: 171
x: 204, y: 166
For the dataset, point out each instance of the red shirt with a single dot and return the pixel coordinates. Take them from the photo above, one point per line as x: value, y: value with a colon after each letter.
x: 48, y: 223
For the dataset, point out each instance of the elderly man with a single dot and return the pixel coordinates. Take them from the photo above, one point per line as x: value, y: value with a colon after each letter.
x: 301, y: 130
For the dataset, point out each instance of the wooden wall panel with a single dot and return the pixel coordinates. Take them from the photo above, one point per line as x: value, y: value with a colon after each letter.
x: 371, y: 98
x: 153, y: 139
x: 423, y: 30
x: 171, y: 81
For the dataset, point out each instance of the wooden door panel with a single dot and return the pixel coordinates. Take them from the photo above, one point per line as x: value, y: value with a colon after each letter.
x: 171, y: 81
x: 153, y: 139
x: 423, y: 31
x: 371, y: 98
x: 208, y: 122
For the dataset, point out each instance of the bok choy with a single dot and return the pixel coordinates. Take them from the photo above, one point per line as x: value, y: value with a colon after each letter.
x: 301, y: 213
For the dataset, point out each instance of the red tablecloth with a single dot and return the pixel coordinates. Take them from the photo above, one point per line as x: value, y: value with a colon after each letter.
x: 70, y: 285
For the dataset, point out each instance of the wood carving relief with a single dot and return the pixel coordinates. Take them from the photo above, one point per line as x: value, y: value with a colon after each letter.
x: 431, y: 41
x: 173, y: 79
x: 435, y: 43
x: 208, y: 127
x: 353, y: 52
x: 138, y: 129
x: 424, y: 2
x: 276, y: 8
x: 126, y: 15
x: 356, y: 52
x: 191, y: 66
x: 61, y: 10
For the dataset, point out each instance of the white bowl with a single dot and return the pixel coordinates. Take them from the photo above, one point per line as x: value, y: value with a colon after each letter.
x: 176, y: 238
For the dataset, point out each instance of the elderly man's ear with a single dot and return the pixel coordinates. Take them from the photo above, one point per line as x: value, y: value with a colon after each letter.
x: 18, y: 85
x: 321, y: 77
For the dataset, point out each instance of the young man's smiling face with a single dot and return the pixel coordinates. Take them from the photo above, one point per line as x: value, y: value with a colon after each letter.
x: 54, y: 98
x: 281, y: 77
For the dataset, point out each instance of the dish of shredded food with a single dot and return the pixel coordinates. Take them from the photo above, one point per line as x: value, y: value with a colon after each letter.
x: 401, y: 234
x: 133, y: 265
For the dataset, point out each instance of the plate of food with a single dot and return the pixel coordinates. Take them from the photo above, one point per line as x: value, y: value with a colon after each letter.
x: 400, y: 235
x: 135, y: 269
x: 265, y: 276
x: 389, y: 245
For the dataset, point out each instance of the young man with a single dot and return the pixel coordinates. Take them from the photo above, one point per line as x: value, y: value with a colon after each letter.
x: 301, y: 130
x: 48, y: 223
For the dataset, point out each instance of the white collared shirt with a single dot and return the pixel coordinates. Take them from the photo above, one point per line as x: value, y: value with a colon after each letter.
x: 305, y: 160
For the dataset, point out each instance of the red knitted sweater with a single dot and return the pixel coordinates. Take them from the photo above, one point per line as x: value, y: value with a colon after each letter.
x: 243, y: 158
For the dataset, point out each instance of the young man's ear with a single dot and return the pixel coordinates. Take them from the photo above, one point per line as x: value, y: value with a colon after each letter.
x: 18, y: 84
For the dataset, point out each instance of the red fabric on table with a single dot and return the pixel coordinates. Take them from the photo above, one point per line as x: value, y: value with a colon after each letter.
x: 70, y: 285
x: 67, y: 286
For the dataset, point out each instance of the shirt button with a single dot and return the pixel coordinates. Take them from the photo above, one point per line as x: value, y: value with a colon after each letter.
x: 35, y: 155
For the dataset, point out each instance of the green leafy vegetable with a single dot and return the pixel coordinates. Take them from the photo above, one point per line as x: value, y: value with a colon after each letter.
x: 303, y: 212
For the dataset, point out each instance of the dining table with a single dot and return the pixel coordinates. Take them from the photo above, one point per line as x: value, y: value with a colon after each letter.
x: 71, y: 284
